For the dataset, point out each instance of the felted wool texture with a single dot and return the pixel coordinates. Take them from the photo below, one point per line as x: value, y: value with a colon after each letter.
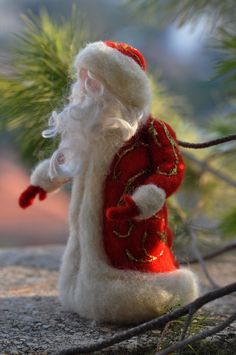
x: 40, y: 177
x: 168, y: 161
x: 88, y: 284
x: 149, y: 199
x: 151, y: 156
x: 120, y: 74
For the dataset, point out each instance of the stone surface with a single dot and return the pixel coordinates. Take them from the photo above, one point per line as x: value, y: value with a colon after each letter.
x: 32, y: 320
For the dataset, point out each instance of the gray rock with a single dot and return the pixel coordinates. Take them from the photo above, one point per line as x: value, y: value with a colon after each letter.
x: 32, y: 320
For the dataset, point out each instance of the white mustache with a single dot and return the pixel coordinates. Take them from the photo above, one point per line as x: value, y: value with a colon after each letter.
x: 58, y: 121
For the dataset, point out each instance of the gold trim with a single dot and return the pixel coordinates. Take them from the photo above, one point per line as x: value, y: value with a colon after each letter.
x: 124, y: 236
x: 132, y: 258
x: 129, y: 188
x: 142, y: 260
x: 163, y: 236
x: 144, y: 238
x: 131, y: 51
x: 123, y: 153
x: 120, y: 156
x: 154, y: 133
x: 174, y: 170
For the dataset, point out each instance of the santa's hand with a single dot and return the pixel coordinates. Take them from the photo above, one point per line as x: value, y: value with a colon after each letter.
x: 27, y: 197
x: 126, y: 211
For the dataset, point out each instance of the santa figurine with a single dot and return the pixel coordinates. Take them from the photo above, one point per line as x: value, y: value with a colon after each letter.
x: 118, y: 265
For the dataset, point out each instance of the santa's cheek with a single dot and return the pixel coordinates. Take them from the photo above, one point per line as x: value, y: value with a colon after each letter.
x: 93, y: 86
x: 83, y: 74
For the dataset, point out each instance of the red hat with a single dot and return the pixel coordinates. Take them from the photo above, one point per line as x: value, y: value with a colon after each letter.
x: 121, y: 68
x: 130, y: 51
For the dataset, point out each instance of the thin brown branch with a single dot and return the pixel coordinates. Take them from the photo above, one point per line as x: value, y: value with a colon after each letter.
x: 207, y: 144
x: 219, y: 154
x: 200, y: 258
x: 203, y: 165
x: 215, y: 253
x: 204, y: 334
x: 187, y: 324
x: 163, y: 334
x: 154, y: 323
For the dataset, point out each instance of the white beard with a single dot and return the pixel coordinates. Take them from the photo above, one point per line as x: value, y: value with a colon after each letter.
x: 81, y: 124
x: 77, y: 125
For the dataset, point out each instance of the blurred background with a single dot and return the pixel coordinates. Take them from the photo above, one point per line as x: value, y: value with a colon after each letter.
x: 190, y: 50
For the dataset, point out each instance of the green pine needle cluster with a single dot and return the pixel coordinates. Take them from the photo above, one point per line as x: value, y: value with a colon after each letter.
x: 41, y: 72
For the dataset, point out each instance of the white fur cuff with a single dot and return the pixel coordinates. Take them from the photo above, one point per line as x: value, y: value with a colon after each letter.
x: 149, y: 199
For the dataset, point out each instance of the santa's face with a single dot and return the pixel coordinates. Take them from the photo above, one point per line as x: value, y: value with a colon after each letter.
x: 92, y: 111
x: 86, y: 84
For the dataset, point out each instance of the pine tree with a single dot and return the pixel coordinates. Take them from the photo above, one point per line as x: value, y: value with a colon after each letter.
x: 40, y: 75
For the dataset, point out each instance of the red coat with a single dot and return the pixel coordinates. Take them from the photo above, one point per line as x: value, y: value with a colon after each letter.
x: 151, y: 156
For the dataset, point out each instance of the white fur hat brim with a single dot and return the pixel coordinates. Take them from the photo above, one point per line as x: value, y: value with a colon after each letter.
x: 120, y: 74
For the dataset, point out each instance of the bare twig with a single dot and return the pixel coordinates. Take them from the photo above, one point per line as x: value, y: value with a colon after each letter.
x: 154, y: 323
x: 225, y: 248
x: 219, y: 154
x: 200, y: 258
x: 163, y: 333
x: 204, y: 334
x: 203, y: 165
x: 231, y: 137
x: 187, y: 324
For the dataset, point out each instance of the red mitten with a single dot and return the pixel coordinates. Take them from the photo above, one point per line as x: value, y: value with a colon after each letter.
x: 27, y: 197
x: 126, y: 211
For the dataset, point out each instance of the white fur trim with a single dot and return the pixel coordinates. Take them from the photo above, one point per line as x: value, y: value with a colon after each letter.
x: 40, y: 177
x: 119, y: 73
x: 126, y: 297
x: 149, y: 199
x: 88, y: 284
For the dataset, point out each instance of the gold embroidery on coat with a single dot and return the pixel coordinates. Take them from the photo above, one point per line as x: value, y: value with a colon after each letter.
x: 129, y: 188
x: 154, y: 133
x: 152, y: 257
x: 163, y: 236
x: 123, y: 236
x: 174, y: 170
x: 142, y: 260
x: 132, y: 258
x: 122, y: 154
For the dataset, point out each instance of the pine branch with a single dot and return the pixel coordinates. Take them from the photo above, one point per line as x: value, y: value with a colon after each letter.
x: 201, y: 259
x: 156, y: 323
x: 41, y: 72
